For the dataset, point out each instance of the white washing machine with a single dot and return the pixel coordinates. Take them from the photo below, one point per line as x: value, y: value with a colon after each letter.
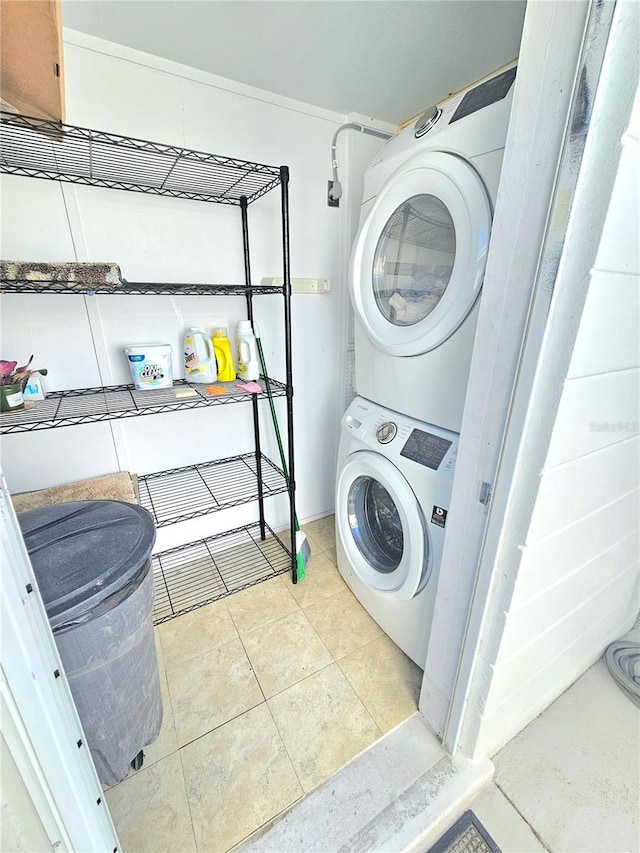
x: 392, y: 497
x: 419, y: 258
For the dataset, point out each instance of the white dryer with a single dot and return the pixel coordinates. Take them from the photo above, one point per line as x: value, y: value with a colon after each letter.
x: 394, y: 483
x: 419, y: 258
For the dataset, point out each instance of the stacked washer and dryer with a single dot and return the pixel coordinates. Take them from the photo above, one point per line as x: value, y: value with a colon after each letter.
x: 417, y: 269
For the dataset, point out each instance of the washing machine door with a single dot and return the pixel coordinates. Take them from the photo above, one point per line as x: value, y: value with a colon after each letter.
x: 419, y: 259
x: 381, y: 526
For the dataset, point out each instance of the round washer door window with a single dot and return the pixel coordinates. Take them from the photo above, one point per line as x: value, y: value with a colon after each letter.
x: 381, y: 526
x: 419, y: 259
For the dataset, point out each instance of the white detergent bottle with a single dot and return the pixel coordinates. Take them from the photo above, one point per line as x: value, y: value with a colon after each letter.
x: 247, y: 352
x: 199, y: 357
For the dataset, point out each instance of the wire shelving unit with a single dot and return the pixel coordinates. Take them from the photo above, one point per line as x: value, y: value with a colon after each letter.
x: 195, y: 574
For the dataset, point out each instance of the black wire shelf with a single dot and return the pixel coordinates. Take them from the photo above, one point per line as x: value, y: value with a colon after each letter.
x: 40, y: 148
x: 181, y: 494
x: 139, y: 288
x: 190, y: 576
x: 113, y: 402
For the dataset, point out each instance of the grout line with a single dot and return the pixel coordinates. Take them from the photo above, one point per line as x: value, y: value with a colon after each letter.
x: 286, y: 749
x: 186, y: 794
x: 220, y: 725
x: 517, y: 810
x: 270, y: 820
x: 250, y: 662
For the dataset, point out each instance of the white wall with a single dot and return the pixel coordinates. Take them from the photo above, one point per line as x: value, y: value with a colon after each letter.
x: 578, y: 583
x: 153, y: 239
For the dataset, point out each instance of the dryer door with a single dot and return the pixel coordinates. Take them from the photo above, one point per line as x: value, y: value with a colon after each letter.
x: 381, y: 526
x: 419, y: 259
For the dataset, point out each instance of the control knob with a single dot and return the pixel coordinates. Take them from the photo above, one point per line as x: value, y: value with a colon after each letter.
x: 386, y: 432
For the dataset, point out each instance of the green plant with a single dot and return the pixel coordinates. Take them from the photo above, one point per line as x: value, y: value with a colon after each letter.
x: 11, y: 374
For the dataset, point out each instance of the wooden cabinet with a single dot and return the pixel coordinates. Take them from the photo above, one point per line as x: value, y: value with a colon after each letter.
x: 31, y: 67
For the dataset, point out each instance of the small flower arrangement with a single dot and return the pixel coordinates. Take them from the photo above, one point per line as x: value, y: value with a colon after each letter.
x: 13, y: 381
x: 11, y: 374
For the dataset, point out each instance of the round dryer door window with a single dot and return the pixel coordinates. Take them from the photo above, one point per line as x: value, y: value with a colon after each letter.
x: 419, y: 259
x: 413, y: 260
x: 381, y: 526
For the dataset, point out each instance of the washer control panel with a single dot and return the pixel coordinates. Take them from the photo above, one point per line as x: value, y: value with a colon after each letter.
x: 425, y: 448
x: 386, y: 432
x: 401, y: 437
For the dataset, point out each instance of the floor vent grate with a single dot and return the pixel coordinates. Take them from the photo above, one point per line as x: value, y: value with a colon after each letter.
x: 467, y: 835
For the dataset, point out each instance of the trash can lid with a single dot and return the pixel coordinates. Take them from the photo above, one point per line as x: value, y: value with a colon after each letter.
x: 86, y: 551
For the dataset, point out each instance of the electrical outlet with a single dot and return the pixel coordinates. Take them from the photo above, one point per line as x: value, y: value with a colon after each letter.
x: 300, y: 285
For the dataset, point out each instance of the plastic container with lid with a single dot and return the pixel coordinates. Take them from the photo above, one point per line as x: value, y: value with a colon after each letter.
x: 248, y: 364
x: 92, y: 561
x: 150, y: 366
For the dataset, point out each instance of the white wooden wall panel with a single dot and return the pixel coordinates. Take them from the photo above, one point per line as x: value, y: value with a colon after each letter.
x: 27, y: 237
x: 619, y: 249
x: 38, y: 460
x: 595, y: 412
x: 525, y: 624
x: 571, y: 491
x: 545, y: 563
x: 535, y: 692
x: 608, y: 337
x: 517, y: 663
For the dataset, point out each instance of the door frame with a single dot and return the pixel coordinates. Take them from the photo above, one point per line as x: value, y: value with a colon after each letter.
x: 546, y: 86
x: 40, y: 724
x: 499, y: 460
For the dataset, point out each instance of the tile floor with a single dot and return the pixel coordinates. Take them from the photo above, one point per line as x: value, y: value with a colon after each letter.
x: 266, y: 694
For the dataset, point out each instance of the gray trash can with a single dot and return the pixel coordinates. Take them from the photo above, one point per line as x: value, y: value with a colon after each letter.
x: 92, y: 560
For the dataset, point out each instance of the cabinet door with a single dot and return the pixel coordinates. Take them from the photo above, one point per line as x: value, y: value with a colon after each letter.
x: 31, y: 76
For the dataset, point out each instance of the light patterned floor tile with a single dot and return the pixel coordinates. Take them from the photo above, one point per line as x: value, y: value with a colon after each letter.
x: 323, y: 724
x: 385, y: 679
x: 342, y: 623
x: 322, y: 580
x: 210, y: 689
x: 260, y: 605
x: 238, y: 777
x: 150, y: 810
x: 322, y: 531
x: 166, y: 742
x: 194, y: 633
x: 159, y: 655
x: 284, y: 652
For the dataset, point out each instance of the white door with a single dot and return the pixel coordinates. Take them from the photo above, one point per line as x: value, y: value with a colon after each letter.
x: 419, y: 259
x: 381, y: 526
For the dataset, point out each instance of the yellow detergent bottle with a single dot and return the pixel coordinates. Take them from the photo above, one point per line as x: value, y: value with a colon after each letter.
x: 224, y: 359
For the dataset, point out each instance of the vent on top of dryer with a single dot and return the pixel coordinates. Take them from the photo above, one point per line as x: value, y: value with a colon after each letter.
x: 427, y: 120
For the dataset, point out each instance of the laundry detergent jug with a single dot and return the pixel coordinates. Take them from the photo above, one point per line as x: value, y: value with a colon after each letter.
x: 199, y: 358
x: 224, y: 359
x: 248, y: 365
